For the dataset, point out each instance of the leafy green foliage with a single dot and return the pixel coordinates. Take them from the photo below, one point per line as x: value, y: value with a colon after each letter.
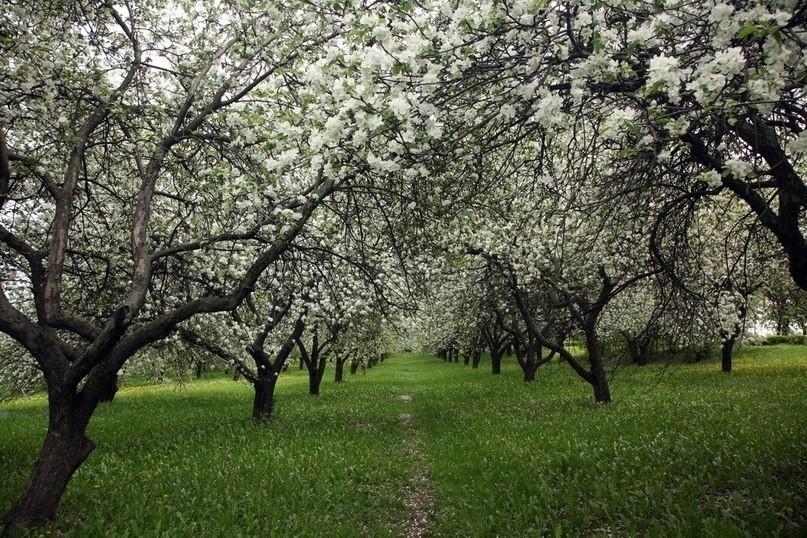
x: 792, y: 339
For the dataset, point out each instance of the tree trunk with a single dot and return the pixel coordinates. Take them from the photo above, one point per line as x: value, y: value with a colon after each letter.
x: 644, y: 349
x: 200, y: 367
x: 726, y: 349
x: 496, y: 362
x: 354, y: 367
x: 466, y: 359
x: 109, y: 391
x: 599, y: 380
x: 301, y: 363
x: 264, y: 401
x: 476, y: 358
x: 65, y: 448
x: 339, y: 371
x: 638, y: 350
x: 602, y: 394
x: 315, y: 379
x: 529, y: 367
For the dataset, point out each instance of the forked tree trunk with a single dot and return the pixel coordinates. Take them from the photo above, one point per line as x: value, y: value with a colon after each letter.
x: 726, y: 350
x: 264, y: 401
x: 65, y: 448
x: 315, y: 379
x: 527, y: 361
x: 495, y: 362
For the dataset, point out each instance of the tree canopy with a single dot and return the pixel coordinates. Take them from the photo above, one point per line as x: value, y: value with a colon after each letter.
x: 260, y: 180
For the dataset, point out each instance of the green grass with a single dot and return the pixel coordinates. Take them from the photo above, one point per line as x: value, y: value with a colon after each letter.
x: 682, y: 451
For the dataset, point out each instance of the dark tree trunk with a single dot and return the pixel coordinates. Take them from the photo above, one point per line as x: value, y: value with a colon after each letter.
x: 236, y: 374
x: 527, y: 360
x: 644, y: 349
x: 264, y: 401
x: 477, y: 357
x: 369, y: 363
x: 315, y: 379
x: 109, y: 391
x: 200, y: 367
x: 466, y: 359
x: 638, y: 349
x: 301, y: 363
x: 354, y: 367
x: 496, y: 362
x: 339, y: 371
x: 65, y: 448
x: 599, y: 379
x: 529, y: 367
x: 602, y: 393
x: 726, y: 350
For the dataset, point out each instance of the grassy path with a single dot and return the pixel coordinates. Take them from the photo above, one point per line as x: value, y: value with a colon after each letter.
x: 417, y: 496
x: 682, y: 451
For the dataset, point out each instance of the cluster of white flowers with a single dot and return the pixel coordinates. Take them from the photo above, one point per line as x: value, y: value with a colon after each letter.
x: 617, y: 123
x: 712, y: 178
x: 739, y: 168
x: 548, y: 111
x: 665, y: 71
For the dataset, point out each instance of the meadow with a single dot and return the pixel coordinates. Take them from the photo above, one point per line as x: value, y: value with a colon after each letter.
x: 683, y: 450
